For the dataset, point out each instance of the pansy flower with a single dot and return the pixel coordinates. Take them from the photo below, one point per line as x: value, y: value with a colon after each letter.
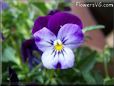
x: 57, y: 36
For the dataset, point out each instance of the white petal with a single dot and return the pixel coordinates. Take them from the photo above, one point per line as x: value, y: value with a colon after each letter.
x: 49, y: 59
x: 44, y: 38
x: 67, y: 30
x: 71, y: 35
x: 67, y: 58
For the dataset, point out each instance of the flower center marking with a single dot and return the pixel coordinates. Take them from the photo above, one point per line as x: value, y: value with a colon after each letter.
x: 58, y: 45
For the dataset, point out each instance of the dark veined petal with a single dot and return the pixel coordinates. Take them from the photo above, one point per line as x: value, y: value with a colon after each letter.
x: 40, y: 22
x: 66, y: 58
x: 53, y: 60
x: 49, y: 58
x: 44, y: 39
x: 60, y: 18
x: 71, y: 35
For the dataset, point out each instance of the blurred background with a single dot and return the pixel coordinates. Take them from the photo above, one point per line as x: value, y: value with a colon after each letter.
x: 94, y: 61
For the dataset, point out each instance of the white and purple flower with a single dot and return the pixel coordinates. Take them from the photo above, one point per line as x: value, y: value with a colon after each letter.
x: 56, y: 36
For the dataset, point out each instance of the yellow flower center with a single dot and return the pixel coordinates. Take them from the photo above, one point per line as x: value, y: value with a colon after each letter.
x: 58, y: 45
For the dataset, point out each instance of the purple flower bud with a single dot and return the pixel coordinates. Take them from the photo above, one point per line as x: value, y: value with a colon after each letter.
x: 27, y: 48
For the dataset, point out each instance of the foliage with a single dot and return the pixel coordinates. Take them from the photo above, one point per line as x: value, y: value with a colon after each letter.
x: 17, y: 22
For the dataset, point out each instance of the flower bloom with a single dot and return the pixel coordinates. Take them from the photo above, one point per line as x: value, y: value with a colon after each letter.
x: 56, y: 36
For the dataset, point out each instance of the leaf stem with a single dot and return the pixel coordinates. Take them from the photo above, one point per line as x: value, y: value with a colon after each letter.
x: 89, y: 28
x: 106, y: 67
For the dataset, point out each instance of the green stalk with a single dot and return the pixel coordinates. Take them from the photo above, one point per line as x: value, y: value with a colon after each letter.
x: 89, y: 28
x: 106, y: 67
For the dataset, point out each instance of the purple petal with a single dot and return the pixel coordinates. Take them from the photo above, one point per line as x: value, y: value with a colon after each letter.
x: 44, y: 39
x: 61, y: 18
x: 39, y: 23
x: 27, y: 47
x: 71, y: 35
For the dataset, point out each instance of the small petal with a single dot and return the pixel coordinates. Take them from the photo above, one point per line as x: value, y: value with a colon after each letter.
x: 60, y: 18
x: 40, y: 22
x: 71, y: 35
x: 44, y: 38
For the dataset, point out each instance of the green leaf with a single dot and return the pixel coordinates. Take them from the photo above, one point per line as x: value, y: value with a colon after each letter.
x: 40, y: 79
x: 86, y: 52
x: 89, y: 78
x: 98, y: 77
x: 87, y: 63
x: 108, y: 81
x: 41, y: 7
x: 53, y: 81
x: 9, y: 55
x: 107, y: 54
x: 35, y: 70
x: 89, y: 28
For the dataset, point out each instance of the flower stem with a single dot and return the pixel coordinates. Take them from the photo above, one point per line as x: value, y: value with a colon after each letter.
x: 106, y: 67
